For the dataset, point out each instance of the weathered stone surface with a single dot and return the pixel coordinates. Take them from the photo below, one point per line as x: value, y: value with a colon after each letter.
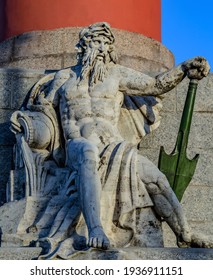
x: 52, y: 50
x: 5, y: 166
x: 47, y: 62
x: 6, y: 137
x: 204, y: 100
x: 38, y: 43
x: 146, y: 254
x: 29, y: 253
x: 6, y: 50
x: 24, y: 253
x: 203, y: 174
x: 68, y: 59
x: 170, y: 102
x: 15, y: 84
x: 201, y: 132
x: 197, y: 202
x: 10, y: 215
x: 167, y: 133
x: 141, y: 64
x: 5, y: 92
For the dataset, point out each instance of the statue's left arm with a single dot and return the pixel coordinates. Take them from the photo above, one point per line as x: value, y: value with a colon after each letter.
x: 136, y: 83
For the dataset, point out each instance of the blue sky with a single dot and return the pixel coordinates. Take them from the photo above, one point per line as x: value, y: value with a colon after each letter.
x: 187, y: 28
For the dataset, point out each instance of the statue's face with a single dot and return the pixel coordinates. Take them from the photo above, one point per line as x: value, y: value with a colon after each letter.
x: 95, y: 52
x: 100, y: 45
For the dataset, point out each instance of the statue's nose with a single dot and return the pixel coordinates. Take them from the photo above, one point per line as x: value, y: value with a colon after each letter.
x: 101, y: 47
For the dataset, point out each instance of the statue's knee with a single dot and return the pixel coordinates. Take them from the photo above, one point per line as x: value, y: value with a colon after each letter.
x: 90, y: 151
x: 153, y: 189
x: 163, y: 184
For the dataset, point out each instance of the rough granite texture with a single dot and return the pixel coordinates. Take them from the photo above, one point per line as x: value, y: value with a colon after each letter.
x: 26, y: 253
x: 55, y: 49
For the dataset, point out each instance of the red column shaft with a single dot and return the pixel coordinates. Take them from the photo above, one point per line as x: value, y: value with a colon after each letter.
x: 142, y: 16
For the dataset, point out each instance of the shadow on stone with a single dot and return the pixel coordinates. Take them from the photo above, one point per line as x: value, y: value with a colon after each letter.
x: 0, y: 235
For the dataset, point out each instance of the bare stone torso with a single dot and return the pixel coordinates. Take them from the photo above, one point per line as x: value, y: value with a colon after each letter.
x: 92, y: 114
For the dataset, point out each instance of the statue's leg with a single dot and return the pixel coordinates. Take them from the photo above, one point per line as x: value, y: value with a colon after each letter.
x: 165, y: 201
x: 83, y: 156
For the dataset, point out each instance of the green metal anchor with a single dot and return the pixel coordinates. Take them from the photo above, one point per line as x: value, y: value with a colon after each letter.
x: 178, y: 169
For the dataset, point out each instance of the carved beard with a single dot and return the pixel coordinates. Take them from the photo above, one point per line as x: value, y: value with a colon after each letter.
x: 93, y: 67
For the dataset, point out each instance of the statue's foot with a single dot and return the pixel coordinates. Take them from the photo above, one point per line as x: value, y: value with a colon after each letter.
x: 201, y: 241
x: 184, y: 240
x: 98, y: 239
x: 196, y: 241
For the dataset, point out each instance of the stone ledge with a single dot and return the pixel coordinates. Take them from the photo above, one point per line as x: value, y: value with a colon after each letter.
x: 146, y: 254
x: 22, y: 253
x: 29, y: 253
x: 56, y: 49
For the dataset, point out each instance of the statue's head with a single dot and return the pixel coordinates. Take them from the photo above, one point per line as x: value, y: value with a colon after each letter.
x: 95, y: 52
x: 96, y: 42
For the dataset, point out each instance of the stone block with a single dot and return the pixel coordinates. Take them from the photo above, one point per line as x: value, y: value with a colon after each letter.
x: 22, y: 84
x: 166, y: 134
x: 151, y: 153
x: 6, y: 50
x: 5, y: 166
x: 146, y: 142
x: 16, y: 83
x: 5, y: 92
x: 141, y: 64
x: 169, y: 101
x: 69, y: 59
x: 26, y: 253
x: 201, y: 132
x: 10, y: 215
x: 130, y: 43
x: 52, y: 62
x: 38, y: 43
x: 6, y: 136
x: 204, y: 100
x: 70, y: 39
x: 166, y: 57
x: 146, y: 254
x: 197, y: 203
x: 200, y: 136
x: 29, y: 253
x: 203, y: 172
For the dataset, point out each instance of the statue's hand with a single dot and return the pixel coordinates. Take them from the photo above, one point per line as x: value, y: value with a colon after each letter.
x: 196, y: 68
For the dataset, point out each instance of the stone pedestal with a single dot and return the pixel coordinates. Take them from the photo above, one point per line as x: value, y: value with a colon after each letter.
x: 55, y: 49
x: 27, y: 253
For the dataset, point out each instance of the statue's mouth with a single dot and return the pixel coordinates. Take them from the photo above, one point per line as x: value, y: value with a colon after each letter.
x: 100, y: 57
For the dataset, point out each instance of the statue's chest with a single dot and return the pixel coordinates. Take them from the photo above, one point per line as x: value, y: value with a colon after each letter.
x: 72, y: 89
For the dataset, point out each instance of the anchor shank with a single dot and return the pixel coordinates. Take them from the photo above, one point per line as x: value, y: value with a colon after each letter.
x: 185, y: 124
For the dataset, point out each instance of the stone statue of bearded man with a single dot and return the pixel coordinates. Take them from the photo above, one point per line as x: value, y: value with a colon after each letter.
x: 117, y: 197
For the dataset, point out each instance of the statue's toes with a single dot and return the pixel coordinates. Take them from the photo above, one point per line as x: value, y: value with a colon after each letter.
x: 105, y: 244
x: 99, y: 242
